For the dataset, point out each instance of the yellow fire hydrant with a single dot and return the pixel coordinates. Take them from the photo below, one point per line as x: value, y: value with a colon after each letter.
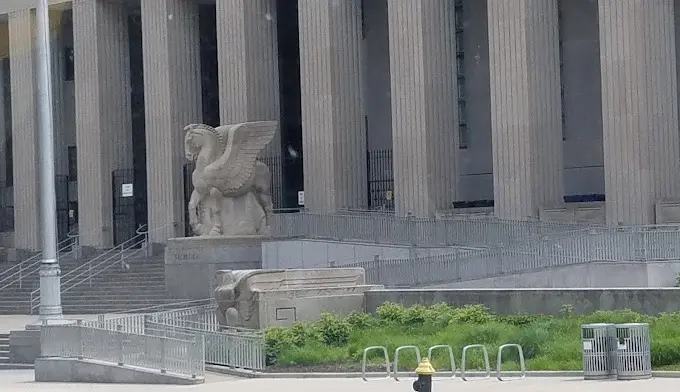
x: 425, y: 371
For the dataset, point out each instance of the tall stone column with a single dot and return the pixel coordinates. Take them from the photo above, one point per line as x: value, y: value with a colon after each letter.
x: 639, y: 107
x: 4, y: 132
x: 248, y: 63
x: 333, y: 134
x: 58, y: 99
x: 248, y: 67
x: 24, y: 130
x: 424, y: 105
x: 172, y: 99
x: 103, y: 112
x: 526, y: 114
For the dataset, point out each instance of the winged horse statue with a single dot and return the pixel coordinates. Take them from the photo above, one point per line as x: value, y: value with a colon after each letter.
x: 227, y: 168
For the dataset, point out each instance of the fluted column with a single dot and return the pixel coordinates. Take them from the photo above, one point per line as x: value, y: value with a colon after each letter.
x: 172, y: 99
x: 525, y: 106
x: 4, y: 132
x: 333, y: 135
x: 58, y: 104
x: 103, y: 112
x: 424, y: 104
x: 248, y: 67
x: 639, y: 107
x: 24, y: 130
x: 248, y: 63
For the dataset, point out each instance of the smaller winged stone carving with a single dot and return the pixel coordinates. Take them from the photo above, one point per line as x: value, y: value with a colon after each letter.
x: 227, y: 168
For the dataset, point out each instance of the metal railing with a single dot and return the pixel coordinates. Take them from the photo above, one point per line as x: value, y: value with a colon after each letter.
x: 239, y: 348
x: 18, y: 272
x: 625, y: 244
x: 481, y: 231
x: 235, y: 348
x: 133, y: 320
x: 166, y: 354
x: 95, y: 266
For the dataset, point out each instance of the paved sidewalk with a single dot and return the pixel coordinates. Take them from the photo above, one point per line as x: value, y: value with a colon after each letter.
x: 22, y: 381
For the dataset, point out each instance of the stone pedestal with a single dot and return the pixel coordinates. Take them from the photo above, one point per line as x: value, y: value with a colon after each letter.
x: 191, y: 262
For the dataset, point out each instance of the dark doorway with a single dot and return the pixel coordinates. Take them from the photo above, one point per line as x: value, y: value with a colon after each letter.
x: 290, y: 95
x: 125, y: 210
x: 210, y: 93
x: 138, y: 117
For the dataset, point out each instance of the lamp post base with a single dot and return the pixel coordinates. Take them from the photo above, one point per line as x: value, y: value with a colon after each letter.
x: 50, y: 297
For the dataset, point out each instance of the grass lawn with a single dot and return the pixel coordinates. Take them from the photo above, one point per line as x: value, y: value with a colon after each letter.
x: 548, y: 342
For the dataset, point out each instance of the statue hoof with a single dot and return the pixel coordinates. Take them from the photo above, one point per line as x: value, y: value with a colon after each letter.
x: 215, y: 231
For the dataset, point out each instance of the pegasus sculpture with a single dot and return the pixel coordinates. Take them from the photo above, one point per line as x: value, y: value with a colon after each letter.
x: 226, y: 167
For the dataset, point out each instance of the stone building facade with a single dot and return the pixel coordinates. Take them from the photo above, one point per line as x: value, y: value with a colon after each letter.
x: 418, y: 106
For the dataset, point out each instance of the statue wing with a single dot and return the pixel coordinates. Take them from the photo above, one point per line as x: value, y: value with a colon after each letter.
x: 244, y: 142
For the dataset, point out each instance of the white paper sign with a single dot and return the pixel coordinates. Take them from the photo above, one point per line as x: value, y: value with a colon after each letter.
x: 621, y: 346
x: 126, y: 190
x: 301, y: 198
x: 587, y: 345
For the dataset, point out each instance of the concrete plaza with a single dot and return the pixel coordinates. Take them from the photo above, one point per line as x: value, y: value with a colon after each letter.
x: 22, y: 381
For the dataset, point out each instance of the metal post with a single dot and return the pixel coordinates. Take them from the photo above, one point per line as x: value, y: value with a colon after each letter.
x: 50, y: 290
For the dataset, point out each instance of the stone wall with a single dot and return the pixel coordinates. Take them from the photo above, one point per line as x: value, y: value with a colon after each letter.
x: 538, y: 301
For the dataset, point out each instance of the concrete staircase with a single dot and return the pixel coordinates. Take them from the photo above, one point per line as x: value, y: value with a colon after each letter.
x: 4, y: 348
x: 140, y: 283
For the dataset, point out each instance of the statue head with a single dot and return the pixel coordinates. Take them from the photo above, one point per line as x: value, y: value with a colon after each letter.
x: 196, y: 138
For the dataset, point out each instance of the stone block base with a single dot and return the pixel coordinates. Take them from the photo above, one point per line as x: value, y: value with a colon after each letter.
x: 191, y: 262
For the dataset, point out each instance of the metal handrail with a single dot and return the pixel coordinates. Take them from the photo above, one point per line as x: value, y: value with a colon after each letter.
x: 117, y: 254
x: 18, y: 271
x: 173, y: 306
x: 85, y: 270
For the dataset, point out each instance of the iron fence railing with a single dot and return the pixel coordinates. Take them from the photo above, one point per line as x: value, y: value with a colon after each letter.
x: 633, y: 244
x: 239, y: 348
x: 167, y: 354
x: 482, y: 231
x: 196, y: 310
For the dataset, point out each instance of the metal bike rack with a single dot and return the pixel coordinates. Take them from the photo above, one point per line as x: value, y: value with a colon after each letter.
x: 396, y: 358
x: 451, y: 357
x: 523, y: 369
x: 387, y: 361
x: 486, y: 360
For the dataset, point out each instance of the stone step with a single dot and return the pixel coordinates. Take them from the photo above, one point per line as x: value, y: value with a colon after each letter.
x: 85, y: 289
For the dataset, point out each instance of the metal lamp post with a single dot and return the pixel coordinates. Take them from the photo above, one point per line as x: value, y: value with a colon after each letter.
x: 50, y: 280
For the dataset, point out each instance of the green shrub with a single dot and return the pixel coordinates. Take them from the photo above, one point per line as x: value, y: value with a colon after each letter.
x: 302, y: 332
x: 391, y: 312
x: 360, y: 320
x: 415, y: 315
x: 472, y: 314
x: 276, y: 338
x: 519, y: 319
x: 334, y: 331
x: 439, y: 315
